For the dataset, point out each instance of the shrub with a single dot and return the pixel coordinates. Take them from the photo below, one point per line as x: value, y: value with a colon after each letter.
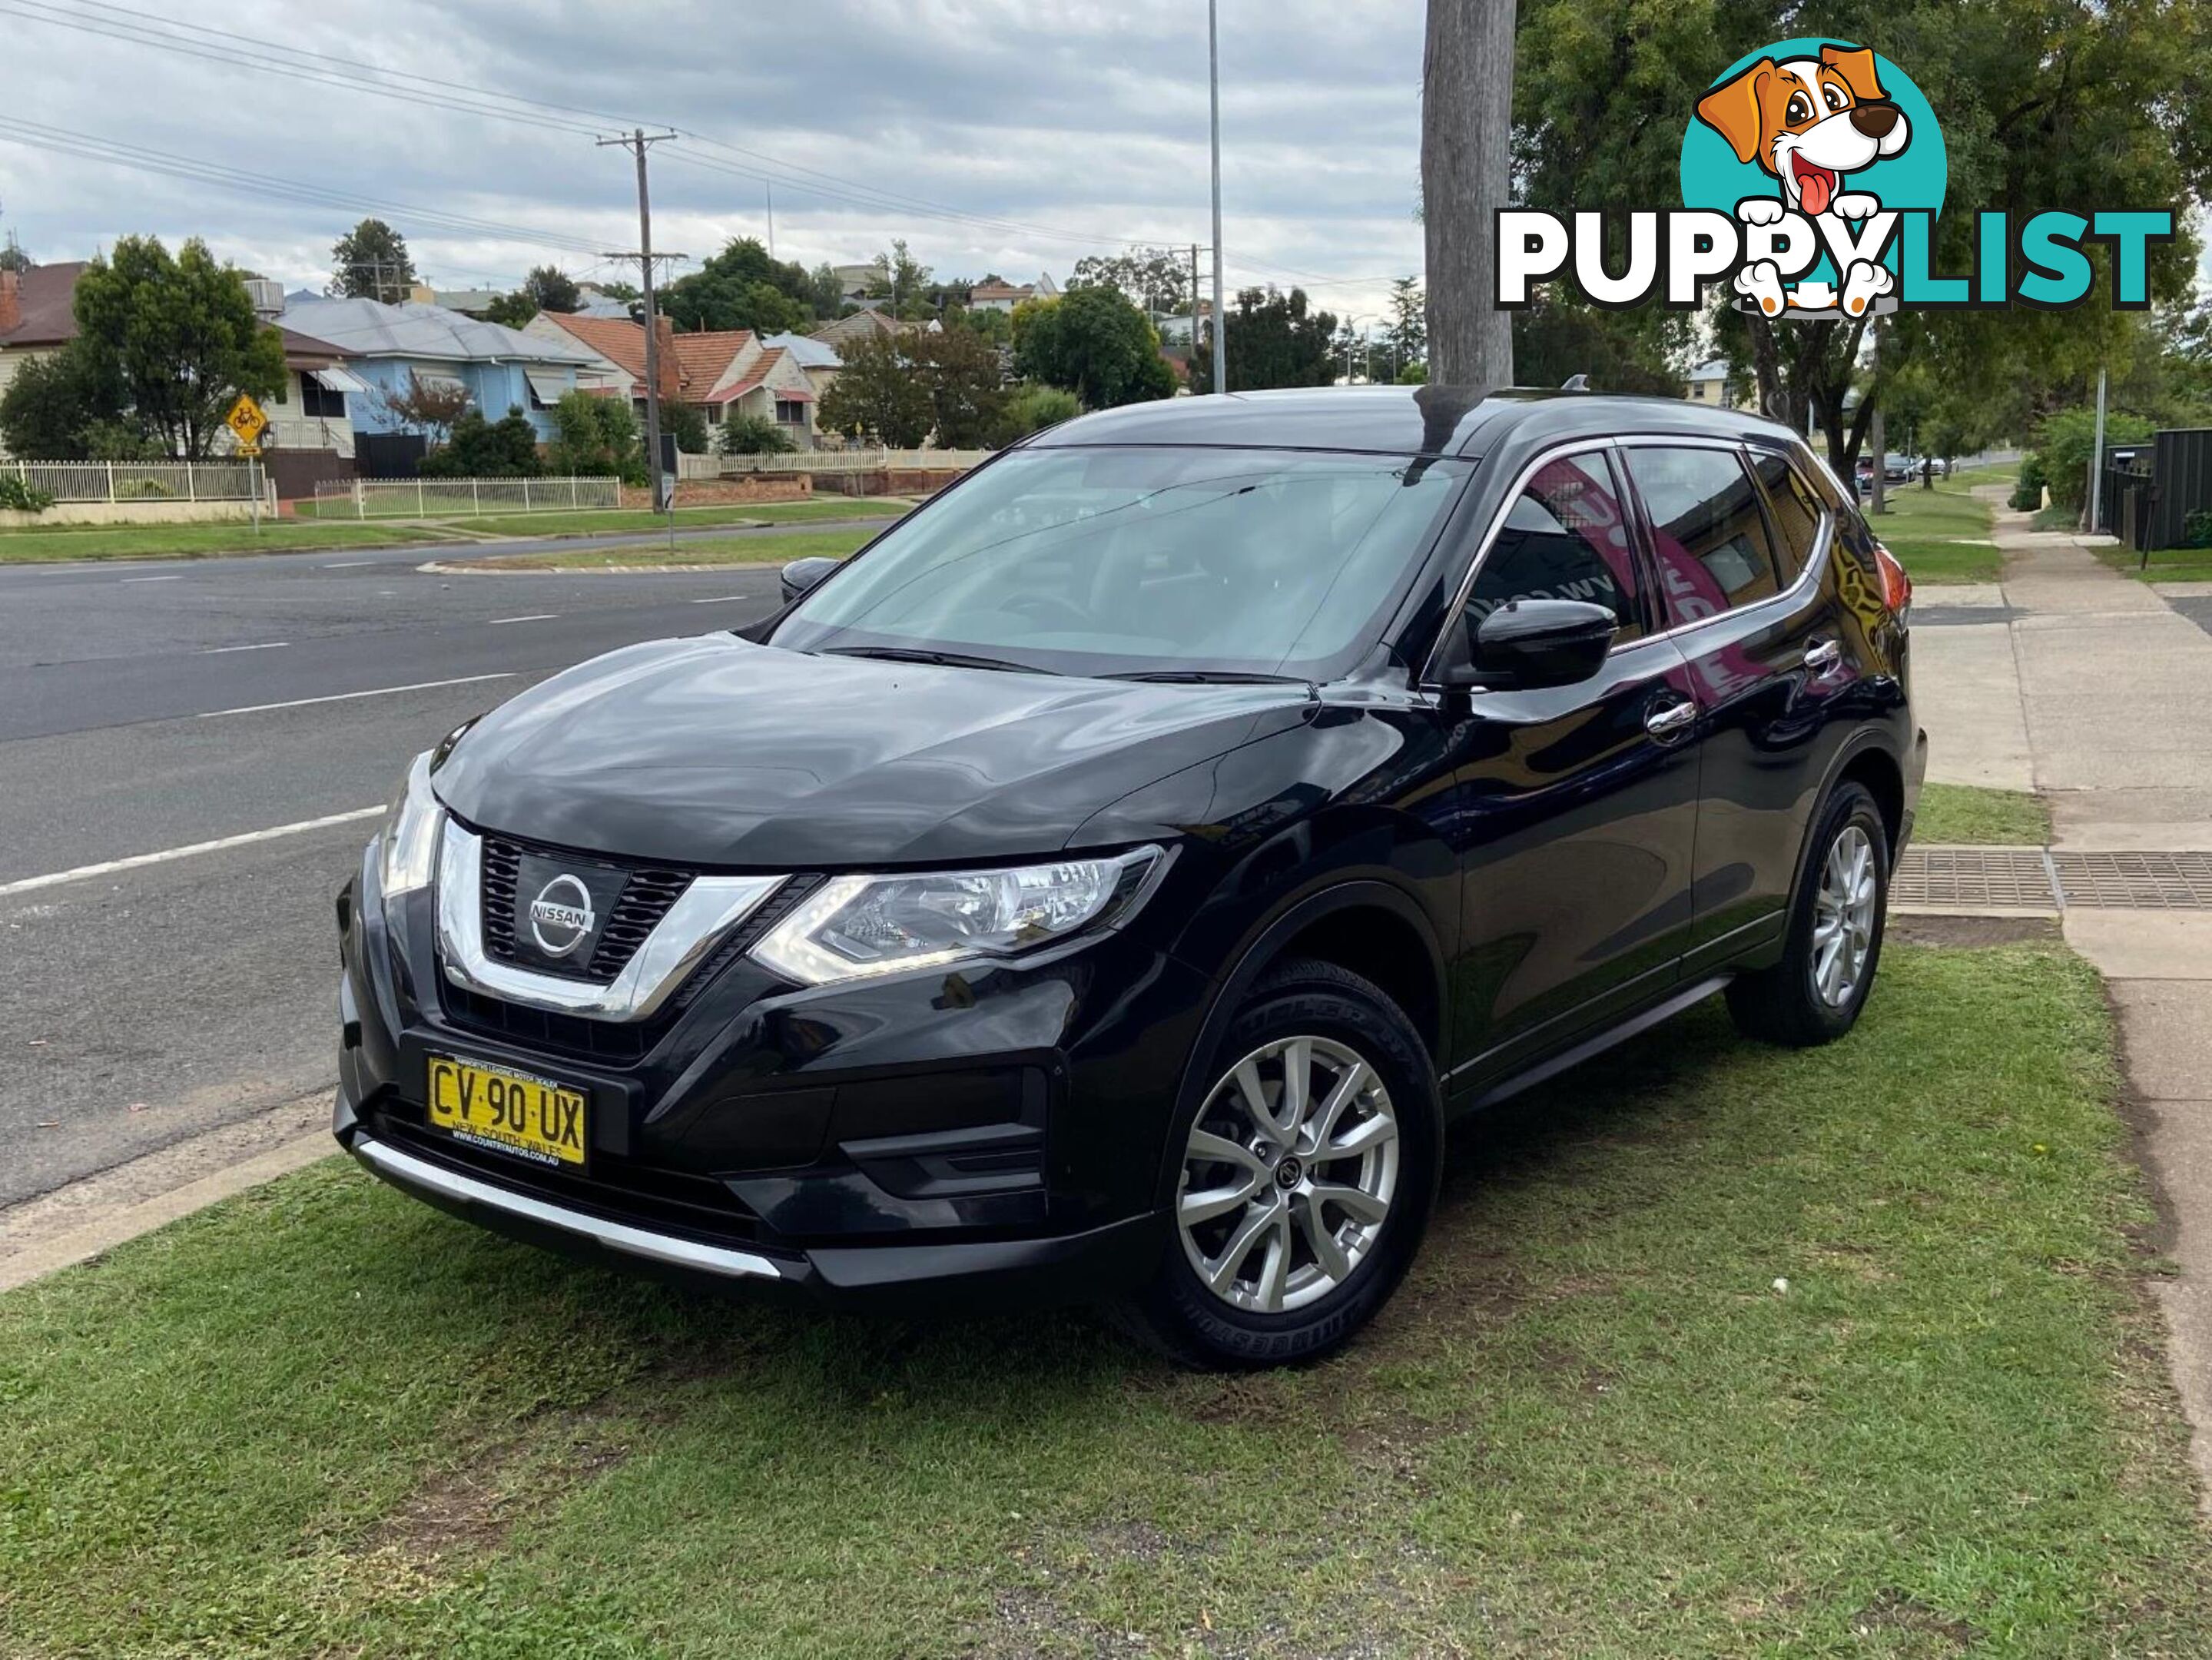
x: 2197, y: 528
x: 479, y: 449
x: 755, y: 434
x: 593, y: 437
x: 684, y: 422
x: 2064, y: 441
x: 17, y: 495
x: 2028, y: 495
x: 1032, y: 409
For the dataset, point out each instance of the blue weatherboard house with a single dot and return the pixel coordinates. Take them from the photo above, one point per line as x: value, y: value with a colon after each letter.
x: 502, y: 369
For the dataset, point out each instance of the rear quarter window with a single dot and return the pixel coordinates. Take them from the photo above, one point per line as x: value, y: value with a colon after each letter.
x: 1798, y: 512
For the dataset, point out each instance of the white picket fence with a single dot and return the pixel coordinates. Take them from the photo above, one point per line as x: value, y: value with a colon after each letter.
x: 453, y: 498
x: 92, y: 481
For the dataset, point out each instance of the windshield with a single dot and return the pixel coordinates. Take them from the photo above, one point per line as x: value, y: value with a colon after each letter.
x: 1143, y: 561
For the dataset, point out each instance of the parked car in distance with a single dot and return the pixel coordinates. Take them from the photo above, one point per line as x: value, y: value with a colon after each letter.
x: 1110, y: 883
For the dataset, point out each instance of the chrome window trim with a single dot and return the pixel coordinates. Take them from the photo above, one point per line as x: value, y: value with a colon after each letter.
x: 405, y: 1170
x: 701, y: 918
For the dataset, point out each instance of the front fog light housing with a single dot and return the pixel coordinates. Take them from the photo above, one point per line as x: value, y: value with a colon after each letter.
x: 854, y: 926
x: 410, y: 832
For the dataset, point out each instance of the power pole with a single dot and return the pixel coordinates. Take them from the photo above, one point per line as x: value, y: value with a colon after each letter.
x: 1213, y: 89
x: 638, y: 140
x: 1878, y: 435
x: 1466, y: 133
x: 2097, y: 462
x: 1193, y: 309
x: 770, y: 190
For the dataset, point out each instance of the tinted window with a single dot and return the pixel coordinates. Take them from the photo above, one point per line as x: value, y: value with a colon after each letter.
x: 1114, y: 560
x: 1708, y: 535
x: 1565, y: 538
x: 1796, y: 512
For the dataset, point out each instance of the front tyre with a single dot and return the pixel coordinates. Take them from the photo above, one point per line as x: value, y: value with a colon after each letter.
x: 1306, y: 1177
x: 1813, y: 995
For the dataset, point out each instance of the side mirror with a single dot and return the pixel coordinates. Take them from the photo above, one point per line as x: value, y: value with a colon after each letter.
x: 1525, y: 644
x: 800, y: 574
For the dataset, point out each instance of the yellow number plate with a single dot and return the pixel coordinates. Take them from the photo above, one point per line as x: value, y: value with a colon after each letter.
x: 530, y: 1117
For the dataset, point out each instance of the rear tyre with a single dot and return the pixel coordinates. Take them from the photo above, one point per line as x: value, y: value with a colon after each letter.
x: 1307, y: 1173
x: 1815, y: 993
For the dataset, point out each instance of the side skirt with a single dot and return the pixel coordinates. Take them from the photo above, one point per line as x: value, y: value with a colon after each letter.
x: 1597, y: 1043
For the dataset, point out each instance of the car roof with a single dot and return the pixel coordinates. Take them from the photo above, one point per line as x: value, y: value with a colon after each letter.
x: 1462, y: 421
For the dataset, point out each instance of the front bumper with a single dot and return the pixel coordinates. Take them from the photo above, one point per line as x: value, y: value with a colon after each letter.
x: 992, y: 1132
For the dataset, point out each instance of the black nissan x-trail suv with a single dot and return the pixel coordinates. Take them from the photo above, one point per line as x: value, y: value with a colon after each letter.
x: 1111, y: 882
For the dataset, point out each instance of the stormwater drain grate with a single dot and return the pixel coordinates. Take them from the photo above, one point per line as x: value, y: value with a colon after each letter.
x: 2004, y: 878
x: 2148, y: 881
x: 2028, y: 878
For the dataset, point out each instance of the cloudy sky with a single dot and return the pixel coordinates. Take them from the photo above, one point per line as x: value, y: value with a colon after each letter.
x: 1007, y: 135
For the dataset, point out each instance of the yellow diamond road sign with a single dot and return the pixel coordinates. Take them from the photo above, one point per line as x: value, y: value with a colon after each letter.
x: 246, y: 419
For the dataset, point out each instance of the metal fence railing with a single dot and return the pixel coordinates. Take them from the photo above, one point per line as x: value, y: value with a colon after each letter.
x: 455, y: 498
x: 138, y: 481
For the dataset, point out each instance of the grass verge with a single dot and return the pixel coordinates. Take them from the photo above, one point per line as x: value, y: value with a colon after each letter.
x: 2165, y: 565
x: 42, y: 546
x: 1966, y: 814
x: 590, y: 521
x: 696, y: 552
x: 1940, y: 536
x: 322, y: 1419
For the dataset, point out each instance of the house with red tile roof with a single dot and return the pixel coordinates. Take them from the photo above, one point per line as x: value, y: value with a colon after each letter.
x: 716, y: 372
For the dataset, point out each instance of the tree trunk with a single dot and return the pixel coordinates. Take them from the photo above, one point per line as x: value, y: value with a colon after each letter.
x: 1467, y: 129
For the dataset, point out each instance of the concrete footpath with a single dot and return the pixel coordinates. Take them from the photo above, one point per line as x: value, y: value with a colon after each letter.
x: 2089, y: 687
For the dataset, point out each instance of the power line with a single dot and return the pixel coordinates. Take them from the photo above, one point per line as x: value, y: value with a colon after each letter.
x: 248, y: 52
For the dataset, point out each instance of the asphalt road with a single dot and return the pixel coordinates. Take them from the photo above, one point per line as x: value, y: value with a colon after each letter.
x: 146, y: 708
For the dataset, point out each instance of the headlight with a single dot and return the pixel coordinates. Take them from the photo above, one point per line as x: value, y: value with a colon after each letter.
x: 410, y: 832
x: 856, y: 926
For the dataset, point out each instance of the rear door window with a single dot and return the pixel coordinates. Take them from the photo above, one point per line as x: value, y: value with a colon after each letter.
x: 1565, y: 536
x: 1798, y: 514
x: 1709, y: 537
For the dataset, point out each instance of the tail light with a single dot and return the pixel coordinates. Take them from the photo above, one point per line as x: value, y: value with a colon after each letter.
x: 1896, y: 586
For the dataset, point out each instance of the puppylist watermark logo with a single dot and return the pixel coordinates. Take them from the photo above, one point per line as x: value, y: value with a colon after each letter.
x: 1813, y: 172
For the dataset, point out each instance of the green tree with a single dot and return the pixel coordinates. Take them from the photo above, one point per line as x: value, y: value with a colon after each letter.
x: 478, y: 448
x: 1093, y: 343
x: 1559, y: 335
x: 181, y: 334
x: 903, y: 280
x: 2043, y: 106
x: 546, y: 289
x: 740, y: 288
x: 12, y: 258
x: 1156, y: 279
x: 878, y: 393
x: 593, y: 437
x: 1406, y: 335
x: 2064, y: 444
x: 755, y: 434
x: 56, y: 402
x: 995, y: 325
x: 960, y: 373
x: 825, y: 295
x: 1275, y: 340
x: 371, y: 261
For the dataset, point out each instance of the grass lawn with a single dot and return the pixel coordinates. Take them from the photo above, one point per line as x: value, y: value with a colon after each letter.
x: 1964, y: 814
x: 193, y: 541
x: 701, y: 551
x: 323, y: 1420
x: 1965, y: 478
x: 1939, y: 536
x: 2166, y: 564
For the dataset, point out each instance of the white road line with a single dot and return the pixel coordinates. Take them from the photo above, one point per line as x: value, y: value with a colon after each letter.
x: 534, y: 617
x: 721, y: 598
x: 152, y: 579
x: 25, y: 884
x: 348, y: 564
x: 266, y: 645
x: 344, y: 696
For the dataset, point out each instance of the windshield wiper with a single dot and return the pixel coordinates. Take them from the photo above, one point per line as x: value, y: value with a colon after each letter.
x: 947, y: 659
x: 1212, y: 678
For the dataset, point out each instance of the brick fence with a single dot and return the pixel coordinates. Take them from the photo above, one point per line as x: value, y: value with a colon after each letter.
x: 718, y: 492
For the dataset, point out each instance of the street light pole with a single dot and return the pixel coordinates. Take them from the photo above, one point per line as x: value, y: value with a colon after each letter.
x: 1213, y: 90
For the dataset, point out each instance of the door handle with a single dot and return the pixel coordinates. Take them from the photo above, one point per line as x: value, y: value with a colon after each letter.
x: 1823, y: 655
x: 1669, y: 719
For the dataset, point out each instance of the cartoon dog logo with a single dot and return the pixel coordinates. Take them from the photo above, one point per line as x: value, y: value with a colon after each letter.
x: 1807, y: 122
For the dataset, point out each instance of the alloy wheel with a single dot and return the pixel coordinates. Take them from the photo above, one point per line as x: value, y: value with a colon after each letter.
x: 1288, y: 1174
x: 1844, y: 917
